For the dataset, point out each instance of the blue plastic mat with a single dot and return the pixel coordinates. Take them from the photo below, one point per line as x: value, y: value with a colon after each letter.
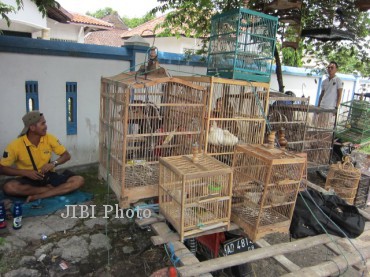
x: 49, y: 205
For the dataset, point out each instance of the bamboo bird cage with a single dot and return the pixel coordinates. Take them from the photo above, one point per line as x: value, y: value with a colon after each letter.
x: 143, y: 118
x: 265, y: 186
x: 289, y: 113
x: 318, y: 142
x: 236, y: 112
x: 195, y: 193
x: 344, y: 178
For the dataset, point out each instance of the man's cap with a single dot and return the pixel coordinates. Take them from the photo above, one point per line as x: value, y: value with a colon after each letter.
x: 29, y: 119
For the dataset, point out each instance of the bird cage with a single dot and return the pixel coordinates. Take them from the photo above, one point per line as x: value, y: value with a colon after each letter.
x: 236, y: 114
x: 142, y: 119
x: 344, y: 179
x: 318, y: 142
x: 265, y: 185
x: 289, y: 113
x: 354, y: 121
x: 242, y: 44
x: 195, y: 193
x: 362, y: 192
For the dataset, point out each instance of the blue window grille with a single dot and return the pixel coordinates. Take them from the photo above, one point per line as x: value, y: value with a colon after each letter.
x: 71, y: 108
x: 32, y: 96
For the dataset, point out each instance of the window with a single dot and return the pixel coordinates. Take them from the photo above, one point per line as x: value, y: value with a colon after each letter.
x: 32, y: 96
x: 71, y: 108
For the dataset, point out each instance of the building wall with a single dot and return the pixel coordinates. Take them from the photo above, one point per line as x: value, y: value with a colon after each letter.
x: 173, y: 44
x: 68, y: 32
x: 53, y: 64
x: 34, y: 21
x: 52, y: 72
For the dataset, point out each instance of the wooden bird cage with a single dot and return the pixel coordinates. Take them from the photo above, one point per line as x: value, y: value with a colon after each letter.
x: 344, y: 179
x: 290, y: 113
x: 195, y: 195
x: 318, y: 142
x: 283, y: 5
x: 142, y: 119
x: 242, y: 44
x: 362, y: 5
x: 362, y: 192
x: 236, y: 114
x: 265, y: 187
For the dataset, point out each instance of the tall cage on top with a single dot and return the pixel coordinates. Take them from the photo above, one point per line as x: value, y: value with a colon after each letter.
x: 143, y: 118
x: 236, y: 114
x: 242, y: 44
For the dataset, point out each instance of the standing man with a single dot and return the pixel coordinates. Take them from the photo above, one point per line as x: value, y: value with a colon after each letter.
x: 332, y: 87
x: 31, y: 156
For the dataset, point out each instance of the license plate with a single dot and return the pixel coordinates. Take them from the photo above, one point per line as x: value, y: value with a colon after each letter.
x: 237, y: 245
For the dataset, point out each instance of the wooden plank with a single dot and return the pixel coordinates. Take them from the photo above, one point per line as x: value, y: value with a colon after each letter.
x: 262, y: 253
x: 185, y: 256
x: 255, y: 255
x: 329, y: 268
x: 282, y: 260
x: 142, y: 222
x: 166, y: 235
x: 334, y: 248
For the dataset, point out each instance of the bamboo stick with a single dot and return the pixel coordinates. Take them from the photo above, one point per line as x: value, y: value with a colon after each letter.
x: 255, y: 255
x: 338, y: 263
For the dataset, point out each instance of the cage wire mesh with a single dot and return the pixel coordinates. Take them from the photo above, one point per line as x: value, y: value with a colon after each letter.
x: 319, y: 136
x: 354, y: 121
x: 289, y: 113
x: 236, y: 112
x: 242, y: 44
x: 142, y: 119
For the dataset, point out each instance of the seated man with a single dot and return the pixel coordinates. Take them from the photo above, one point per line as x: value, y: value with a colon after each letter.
x: 31, y: 154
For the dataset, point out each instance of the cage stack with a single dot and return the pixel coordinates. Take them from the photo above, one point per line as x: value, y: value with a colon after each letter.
x: 318, y: 142
x: 143, y: 118
x: 195, y: 193
x: 242, y: 44
x: 265, y: 187
x: 236, y: 114
x: 344, y: 178
x: 354, y: 122
x: 289, y: 113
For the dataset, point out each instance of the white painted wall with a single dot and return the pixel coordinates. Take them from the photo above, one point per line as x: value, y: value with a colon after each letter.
x: 52, y: 73
x: 69, y: 32
x: 174, y: 45
x: 29, y: 15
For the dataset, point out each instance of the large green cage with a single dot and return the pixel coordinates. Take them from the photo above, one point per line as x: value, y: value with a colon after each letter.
x: 242, y: 45
x: 354, y: 122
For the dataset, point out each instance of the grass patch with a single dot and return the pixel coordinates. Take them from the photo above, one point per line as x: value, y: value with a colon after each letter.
x: 365, y: 149
x: 102, y: 194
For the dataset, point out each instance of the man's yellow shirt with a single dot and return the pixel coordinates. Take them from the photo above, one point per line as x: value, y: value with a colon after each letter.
x: 16, y: 152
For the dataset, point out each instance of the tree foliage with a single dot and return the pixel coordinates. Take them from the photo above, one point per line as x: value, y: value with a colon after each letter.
x: 136, y: 21
x: 130, y: 22
x: 194, y: 18
x: 42, y: 6
x: 102, y: 12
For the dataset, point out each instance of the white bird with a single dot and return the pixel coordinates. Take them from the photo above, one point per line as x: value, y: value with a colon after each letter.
x: 229, y: 138
x: 216, y: 135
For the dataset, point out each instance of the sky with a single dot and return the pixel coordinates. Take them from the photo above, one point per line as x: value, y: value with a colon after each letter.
x: 127, y: 8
